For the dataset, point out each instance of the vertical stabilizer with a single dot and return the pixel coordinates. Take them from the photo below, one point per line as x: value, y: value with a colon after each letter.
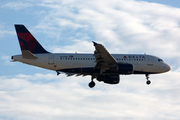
x: 27, y: 40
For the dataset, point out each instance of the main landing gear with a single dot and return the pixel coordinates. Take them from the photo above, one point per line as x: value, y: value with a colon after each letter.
x: 148, y: 82
x: 92, y: 83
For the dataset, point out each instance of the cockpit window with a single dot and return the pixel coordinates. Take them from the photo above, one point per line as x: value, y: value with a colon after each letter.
x: 160, y: 60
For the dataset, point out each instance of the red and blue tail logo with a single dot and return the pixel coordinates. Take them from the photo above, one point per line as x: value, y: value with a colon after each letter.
x: 27, y: 40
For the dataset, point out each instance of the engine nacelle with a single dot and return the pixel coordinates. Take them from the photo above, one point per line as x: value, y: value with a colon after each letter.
x: 125, y: 69
x: 122, y: 69
x: 110, y: 79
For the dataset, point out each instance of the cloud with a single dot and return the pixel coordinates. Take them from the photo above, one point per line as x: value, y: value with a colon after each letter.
x: 5, y: 32
x: 84, y: 47
x: 68, y: 23
x: 122, y: 26
x: 6, y: 59
x: 17, y: 5
x: 47, y: 96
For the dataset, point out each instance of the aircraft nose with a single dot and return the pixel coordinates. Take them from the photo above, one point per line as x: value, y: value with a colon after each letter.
x: 167, y: 67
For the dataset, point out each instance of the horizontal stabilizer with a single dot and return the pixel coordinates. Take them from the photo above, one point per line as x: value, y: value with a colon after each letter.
x: 13, y: 61
x: 28, y: 55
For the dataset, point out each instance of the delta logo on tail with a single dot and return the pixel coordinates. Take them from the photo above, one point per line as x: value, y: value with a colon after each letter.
x: 27, y: 41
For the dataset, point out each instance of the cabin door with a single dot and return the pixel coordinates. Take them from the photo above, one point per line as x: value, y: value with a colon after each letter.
x: 150, y: 61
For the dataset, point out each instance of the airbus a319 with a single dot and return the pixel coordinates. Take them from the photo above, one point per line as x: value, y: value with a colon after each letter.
x: 101, y: 65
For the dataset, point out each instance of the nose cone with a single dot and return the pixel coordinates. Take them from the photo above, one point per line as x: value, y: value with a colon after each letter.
x: 167, y: 67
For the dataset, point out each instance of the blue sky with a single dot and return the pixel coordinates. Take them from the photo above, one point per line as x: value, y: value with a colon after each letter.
x: 122, y: 26
x: 173, y: 3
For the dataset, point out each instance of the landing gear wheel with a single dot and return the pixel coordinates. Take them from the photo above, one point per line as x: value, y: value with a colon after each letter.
x: 148, y: 82
x: 91, y: 84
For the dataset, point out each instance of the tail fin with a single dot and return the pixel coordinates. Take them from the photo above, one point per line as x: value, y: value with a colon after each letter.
x: 27, y: 40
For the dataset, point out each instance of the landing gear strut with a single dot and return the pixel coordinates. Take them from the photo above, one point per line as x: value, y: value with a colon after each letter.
x: 92, y: 83
x: 148, y: 82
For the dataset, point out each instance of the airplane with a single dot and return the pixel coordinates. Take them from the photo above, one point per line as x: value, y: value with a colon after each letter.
x: 101, y: 65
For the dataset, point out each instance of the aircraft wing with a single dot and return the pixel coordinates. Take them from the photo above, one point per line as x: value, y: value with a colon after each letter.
x: 104, y: 59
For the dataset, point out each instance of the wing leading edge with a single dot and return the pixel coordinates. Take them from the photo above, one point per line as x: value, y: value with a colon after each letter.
x: 104, y: 59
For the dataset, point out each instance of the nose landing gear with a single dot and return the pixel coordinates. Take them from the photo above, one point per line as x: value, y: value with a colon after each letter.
x: 148, y: 82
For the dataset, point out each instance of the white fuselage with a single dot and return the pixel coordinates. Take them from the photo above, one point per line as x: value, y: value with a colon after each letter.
x: 142, y: 63
x: 101, y: 64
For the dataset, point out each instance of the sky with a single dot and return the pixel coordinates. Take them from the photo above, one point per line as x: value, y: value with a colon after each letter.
x: 69, y: 26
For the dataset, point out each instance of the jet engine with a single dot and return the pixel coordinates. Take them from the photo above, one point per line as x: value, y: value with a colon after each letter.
x: 122, y: 69
x: 110, y: 79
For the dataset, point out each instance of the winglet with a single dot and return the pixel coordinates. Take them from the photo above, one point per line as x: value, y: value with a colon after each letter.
x: 94, y: 43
